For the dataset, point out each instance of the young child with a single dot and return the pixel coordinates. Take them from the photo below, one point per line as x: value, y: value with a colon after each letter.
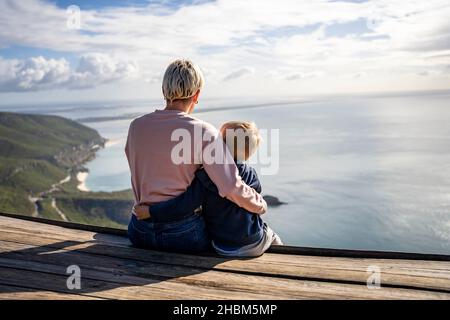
x: 234, y: 231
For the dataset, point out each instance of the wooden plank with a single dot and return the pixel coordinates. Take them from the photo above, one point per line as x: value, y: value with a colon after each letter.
x: 58, y: 233
x: 295, y: 250
x: 122, y: 267
x: 419, y: 274
x: 359, y: 254
x: 65, y: 224
x: 20, y: 293
x: 61, y: 233
x: 347, y: 264
x: 106, y: 285
x: 133, y: 249
x: 57, y: 283
x: 103, y: 284
x: 254, y: 284
x: 26, y: 227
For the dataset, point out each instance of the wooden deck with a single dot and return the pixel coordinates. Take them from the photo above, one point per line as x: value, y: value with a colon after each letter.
x: 34, y: 258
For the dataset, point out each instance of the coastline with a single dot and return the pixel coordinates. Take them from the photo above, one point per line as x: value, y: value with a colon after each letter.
x: 112, y: 142
x: 83, y: 175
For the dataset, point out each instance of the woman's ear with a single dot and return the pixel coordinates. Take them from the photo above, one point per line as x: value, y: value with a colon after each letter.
x: 196, y: 95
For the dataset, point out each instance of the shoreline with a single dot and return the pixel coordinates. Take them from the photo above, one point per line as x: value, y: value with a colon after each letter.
x: 112, y: 142
x: 81, y: 177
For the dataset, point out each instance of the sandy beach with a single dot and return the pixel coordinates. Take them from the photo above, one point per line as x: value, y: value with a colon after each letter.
x: 81, y: 177
x: 112, y: 142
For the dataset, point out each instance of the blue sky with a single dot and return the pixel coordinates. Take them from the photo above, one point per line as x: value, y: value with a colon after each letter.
x: 245, y: 48
x: 99, y: 4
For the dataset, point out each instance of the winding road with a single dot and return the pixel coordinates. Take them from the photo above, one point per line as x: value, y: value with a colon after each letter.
x: 53, y: 188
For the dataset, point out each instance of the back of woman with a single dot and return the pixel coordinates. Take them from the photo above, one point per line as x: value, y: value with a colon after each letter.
x: 157, y: 174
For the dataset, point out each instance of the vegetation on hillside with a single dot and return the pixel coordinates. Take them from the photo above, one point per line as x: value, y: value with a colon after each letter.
x: 40, y: 156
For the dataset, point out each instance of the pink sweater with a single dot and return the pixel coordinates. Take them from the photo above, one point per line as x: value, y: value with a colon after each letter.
x: 155, y: 177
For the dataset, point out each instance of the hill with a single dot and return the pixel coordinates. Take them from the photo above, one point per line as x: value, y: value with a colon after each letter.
x: 40, y: 156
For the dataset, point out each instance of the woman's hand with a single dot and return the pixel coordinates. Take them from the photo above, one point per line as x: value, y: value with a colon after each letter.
x: 141, y: 212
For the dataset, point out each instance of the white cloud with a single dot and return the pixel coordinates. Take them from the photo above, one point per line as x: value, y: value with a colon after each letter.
x: 395, y: 47
x: 96, y: 69
x: 39, y: 73
x: 33, y: 74
x: 242, y: 72
x: 303, y: 75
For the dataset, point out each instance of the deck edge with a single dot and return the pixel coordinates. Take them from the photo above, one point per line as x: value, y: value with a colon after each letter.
x: 293, y: 250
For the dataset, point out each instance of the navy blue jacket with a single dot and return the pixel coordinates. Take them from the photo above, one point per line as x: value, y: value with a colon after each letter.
x: 227, y: 223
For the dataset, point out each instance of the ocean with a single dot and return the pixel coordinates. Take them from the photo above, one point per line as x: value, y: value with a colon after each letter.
x: 355, y: 172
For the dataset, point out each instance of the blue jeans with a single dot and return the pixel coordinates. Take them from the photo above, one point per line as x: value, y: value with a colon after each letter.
x: 187, y: 235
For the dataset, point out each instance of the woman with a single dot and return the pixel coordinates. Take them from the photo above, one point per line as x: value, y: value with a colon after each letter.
x: 158, y: 175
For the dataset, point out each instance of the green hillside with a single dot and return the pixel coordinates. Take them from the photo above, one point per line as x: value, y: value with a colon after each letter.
x: 39, y: 151
x: 41, y: 137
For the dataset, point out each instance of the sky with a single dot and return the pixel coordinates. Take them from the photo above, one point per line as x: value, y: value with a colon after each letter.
x: 66, y: 51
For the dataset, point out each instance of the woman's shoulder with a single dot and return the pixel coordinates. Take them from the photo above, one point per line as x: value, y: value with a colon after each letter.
x: 206, y: 126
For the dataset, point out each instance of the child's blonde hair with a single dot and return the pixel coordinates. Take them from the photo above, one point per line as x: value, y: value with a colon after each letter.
x: 241, y: 137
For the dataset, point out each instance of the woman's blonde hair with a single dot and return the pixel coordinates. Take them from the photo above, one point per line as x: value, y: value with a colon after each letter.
x: 241, y: 137
x: 182, y: 80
